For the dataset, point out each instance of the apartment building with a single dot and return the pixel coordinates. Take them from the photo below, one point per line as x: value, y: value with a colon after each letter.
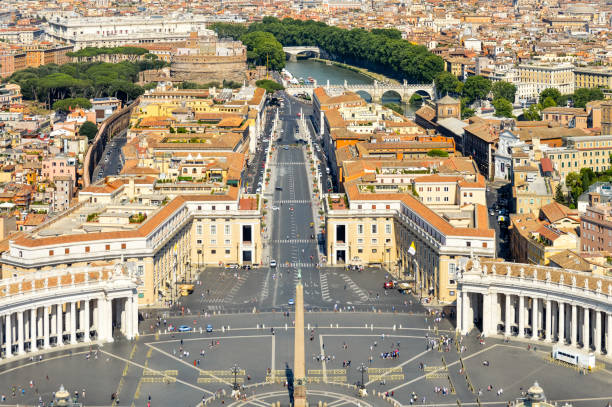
x: 534, y: 77
x: 370, y: 227
x: 593, y: 77
x: 164, y: 238
x: 596, y: 224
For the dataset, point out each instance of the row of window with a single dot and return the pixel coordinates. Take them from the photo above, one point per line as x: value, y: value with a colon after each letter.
x: 374, y: 228
x: 213, y: 229
x: 87, y: 249
x: 372, y: 241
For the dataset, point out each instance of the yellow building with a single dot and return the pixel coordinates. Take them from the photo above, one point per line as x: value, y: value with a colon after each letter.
x: 366, y: 227
x: 593, y: 77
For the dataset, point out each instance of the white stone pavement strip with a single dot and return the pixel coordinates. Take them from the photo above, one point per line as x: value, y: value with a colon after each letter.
x: 158, y: 372
x: 324, y: 287
x: 363, y: 296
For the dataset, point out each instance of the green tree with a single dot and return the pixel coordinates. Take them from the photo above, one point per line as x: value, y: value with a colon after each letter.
x: 584, y: 95
x: 552, y: 93
x: 559, y: 197
x: 548, y: 102
x: 269, y: 85
x: 503, y: 108
x: 392, y: 33
x: 229, y: 30
x: 264, y: 49
x: 447, y: 83
x: 437, y: 153
x: 415, y: 99
x: 503, y: 89
x: 532, y: 113
x: 66, y: 105
x: 88, y: 129
x: 476, y: 88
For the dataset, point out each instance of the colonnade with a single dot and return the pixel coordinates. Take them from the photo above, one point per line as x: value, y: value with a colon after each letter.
x: 43, y: 326
x: 551, y: 320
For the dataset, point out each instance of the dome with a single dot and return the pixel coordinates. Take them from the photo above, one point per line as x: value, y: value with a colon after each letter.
x: 536, y: 393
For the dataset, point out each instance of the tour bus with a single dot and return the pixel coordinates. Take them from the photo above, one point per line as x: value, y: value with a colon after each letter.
x: 576, y: 357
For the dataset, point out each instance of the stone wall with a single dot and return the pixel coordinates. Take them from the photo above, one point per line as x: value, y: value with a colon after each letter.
x: 207, y: 68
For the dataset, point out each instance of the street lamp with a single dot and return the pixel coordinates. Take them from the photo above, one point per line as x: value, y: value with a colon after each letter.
x: 362, y: 369
x: 235, y: 371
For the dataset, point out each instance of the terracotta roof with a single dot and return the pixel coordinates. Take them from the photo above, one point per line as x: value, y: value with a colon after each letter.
x: 570, y: 260
x: 554, y: 211
x: 426, y: 112
x: 424, y: 212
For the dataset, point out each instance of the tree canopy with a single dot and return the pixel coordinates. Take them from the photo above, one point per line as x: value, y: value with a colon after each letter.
x: 380, y: 50
x: 552, y: 93
x: 476, y: 88
x: 447, y: 83
x: 88, y: 129
x: 503, y: 108
x: 95, y: 51
x: 229, y: 30
x: 584, y: 95
x: 437, y: 153
x: 50, y: 83
x: 66, y: 105
x: 264, y: 49
x: 503, y: 89
x: 269, y: 85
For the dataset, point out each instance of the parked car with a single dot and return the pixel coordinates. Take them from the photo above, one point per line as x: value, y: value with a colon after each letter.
x: 291, y: 301
x: 209, y: 328
x: 272, y: 263
x: 184, y: 328
x: 389, y: 284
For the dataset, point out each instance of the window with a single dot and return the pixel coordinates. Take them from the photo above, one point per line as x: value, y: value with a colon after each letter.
x: 227, y: 229
x: 86, y: 249
x: 66, y: 251
x: 228, y: 242
x: 387, y: 240
x: 213, y: 229
x: 388, y: 229
x: 359, y: 250
x: 213, y: 207
x: 199, y: 229
x: 374, y: 228
x: 374, y: 241
x: 374, y: 250
x: 484, y: 244
x: 360, y: 229
x: 388, y: 207
x: 213, y: 251
x: 213, y: 242
x: 198, y: 241
x: 373, y: 206
x: 227, y: 252
x: 50, y: 252
x: 107, y: 247
x: 468, y: 244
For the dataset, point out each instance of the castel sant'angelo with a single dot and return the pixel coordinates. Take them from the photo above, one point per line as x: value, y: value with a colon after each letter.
x: 202, y: 58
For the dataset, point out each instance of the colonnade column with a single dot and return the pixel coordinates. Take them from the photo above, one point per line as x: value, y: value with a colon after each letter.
x: 486, y: 313
x: 521, y: 311
x: 597, y: 339
x: 33, y: 330
x: 561, y: 323
x: 46, y: 326
x: 459, y: 313
x: 466, y: 312
x: 73, y: 322
x: 86, y: 323
x: 586, y: 330
x: 548, y: 321
x: 609, y: 344
x: 534, y: 319
x: 507, y: 331
x: 20, y: 333
x: 60, y: 327
x: 574, y: 327
x: 8, y: 334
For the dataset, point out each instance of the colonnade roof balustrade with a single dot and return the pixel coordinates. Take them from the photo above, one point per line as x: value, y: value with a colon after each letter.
x: 44, y: 280
x: 561, y: 277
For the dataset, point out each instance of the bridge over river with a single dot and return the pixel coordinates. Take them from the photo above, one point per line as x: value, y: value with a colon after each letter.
x: 375, y: 90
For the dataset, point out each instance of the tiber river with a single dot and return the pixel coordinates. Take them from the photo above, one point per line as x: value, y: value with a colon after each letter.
x: 321, y: 72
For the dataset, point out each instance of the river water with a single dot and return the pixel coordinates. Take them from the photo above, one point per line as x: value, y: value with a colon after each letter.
x: 322, y: 72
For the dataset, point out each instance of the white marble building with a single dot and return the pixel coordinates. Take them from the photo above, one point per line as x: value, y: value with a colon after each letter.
x: 535, y: 302
x: 53, y: 308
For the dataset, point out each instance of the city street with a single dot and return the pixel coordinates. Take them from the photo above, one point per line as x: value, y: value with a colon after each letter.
x: 111, y: 162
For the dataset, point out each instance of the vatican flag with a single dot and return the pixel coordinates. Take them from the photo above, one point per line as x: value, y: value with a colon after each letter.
x: 412, y: 249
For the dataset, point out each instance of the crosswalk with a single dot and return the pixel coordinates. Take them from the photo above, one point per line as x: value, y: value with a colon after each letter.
x: 363, y: 296
x: 324, y: 287
x: 215, y: 308
x: 288, y: 163
x: 230, y: 296
x: 291, y: 241
x: 292, y: 201
x: 296, y: 265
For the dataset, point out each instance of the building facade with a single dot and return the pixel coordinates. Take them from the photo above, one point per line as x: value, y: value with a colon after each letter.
x: 543, y: 304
